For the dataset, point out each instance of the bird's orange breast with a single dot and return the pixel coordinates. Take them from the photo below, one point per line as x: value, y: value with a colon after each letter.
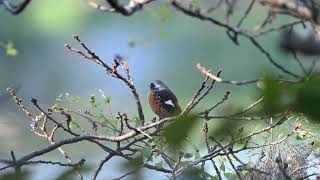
x: 156, y: 106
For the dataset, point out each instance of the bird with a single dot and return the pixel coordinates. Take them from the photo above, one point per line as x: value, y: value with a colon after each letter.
x: 162, y: 100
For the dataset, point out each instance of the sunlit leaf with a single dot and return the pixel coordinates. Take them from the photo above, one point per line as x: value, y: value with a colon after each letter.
x: 197, y: 155
x: 10, y: 50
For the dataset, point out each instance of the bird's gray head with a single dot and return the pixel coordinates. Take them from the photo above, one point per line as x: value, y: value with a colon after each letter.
x: 158, y: 85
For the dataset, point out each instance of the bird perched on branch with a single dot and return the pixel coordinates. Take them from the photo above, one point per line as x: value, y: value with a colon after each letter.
x: 162, y: 100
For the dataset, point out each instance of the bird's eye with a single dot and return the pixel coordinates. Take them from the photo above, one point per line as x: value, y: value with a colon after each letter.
x: 152, y: 86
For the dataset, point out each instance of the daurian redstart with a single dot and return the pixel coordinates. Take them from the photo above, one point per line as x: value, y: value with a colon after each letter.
x: 162, y: 100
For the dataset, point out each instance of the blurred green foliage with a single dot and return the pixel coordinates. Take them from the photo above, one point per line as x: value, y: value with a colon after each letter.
x: 24, y: 175
x: 176, y: 132
x: 195, y: 173
x: 225, y: 130
x: 71, y: 173
x: 9, y: 48
x: 299, y: 97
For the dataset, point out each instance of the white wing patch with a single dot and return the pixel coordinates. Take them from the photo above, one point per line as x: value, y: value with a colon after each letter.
x: 169, y: 102
x: 157, y: 85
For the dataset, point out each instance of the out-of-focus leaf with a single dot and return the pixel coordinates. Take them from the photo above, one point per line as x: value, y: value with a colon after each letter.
x: 79, y: 100
x: 308, y: 98
x: 134, y: 165
x: 197, y: 155
x: 185, y: 163
x: 195, y: 173
x: 137, y: 122
x: 302, y: 97
x: 24, y: 175
x: 162, y: 14
x: 302, y: 135
x: 275, y: 97
x: 176, y: 132
x: 230, y: 176
x: 165, y: 12
x: 94, y: 102
x: 225, y: 129
x: 214, y: 178
x: 112, y: 122
x: 74, y: 122
x: 164, y: 35
x: 317, y: 143
x: 11, y: 51
x: 70, y: 173
x: 222, y: 166
x: 132, y: 42
x: 146, y: 152
x: 195, y: 3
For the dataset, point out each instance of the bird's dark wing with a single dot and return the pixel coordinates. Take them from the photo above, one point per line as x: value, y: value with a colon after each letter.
x: 168, y: 100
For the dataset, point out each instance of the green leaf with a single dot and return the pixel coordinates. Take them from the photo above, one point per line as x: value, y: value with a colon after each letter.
x: 74, y: 122
x: 308, y: 98
x: 11, y: 175
x: 272, y: 93
x: 195, y: 173
x: 197, y: 155
x: 107, y: 99
x: 195, y: 3
x: 133, y: 163
x: 79, y: 100
x: 302, y: 97
x: 176, y: 132
x: 164, y: 35
x: 185, y: 163
x: 214, y: 178
x: 146, y: 152
x: 165, y: 12
x: 132, y: 42
x: 11, y: 51
x: 222, y: 166
x: 112, y: 122
x: 70, y: 173
x: 137, y: 121
x: 206, y: 175
x: 316, y: 143
x: 230, y: 176
x: 93, y: 100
